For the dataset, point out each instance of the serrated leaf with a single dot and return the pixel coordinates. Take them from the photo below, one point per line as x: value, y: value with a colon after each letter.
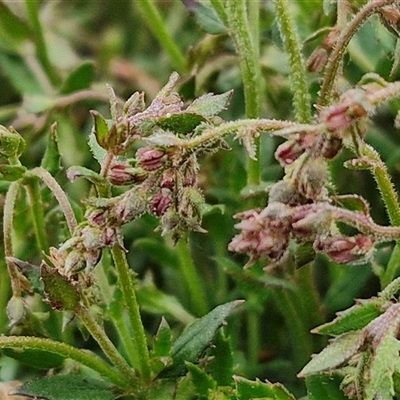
x: 379, y: 382
x: 352, y: 319
x: 221, y: 367
x: 162, y: 341
x: 100, y: 128
x: 210, y: 104
x: 11, y: 173
x: 338, y: 351
x: 60, y: 292
x: 34, y: 358
x: 324, y: 387
x: 201, y: 381
x: 98, y: 152
x: 67, y: 387
x: 180, y: 123
x: 51, y: 160
x: 80, y: 78
x: 197, y: 336
x: 248, y: 390
x: 206, y: 17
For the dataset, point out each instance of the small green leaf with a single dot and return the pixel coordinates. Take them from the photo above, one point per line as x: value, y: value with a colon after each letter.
x: 248, y: 390
x: 77, y: 171
x: 202, y: 382
x: 31, y: 272
x: 79, y: 79
x: 34, y: 358
x: 336, y: 353
x: 324, y: 387
x: 51, y: 160
x: 11, y: 173
x: 67, y: 387
x: 210, y: 104
x: 198, y: 336
x: 98, y: 152
x: 12, y: 143
x: 100, y: 128
x: 180, y: 123
x: 221, y: 367
x: 352, y: 319
x: 379, y: 384
x: 60, y: 291
x: 206, y: 17
x: 162, y: 341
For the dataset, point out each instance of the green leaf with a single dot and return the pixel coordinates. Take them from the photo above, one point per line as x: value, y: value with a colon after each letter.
x: 221, y: 367
x: 60, y: 291
x: 51, y: 160
x: 248, y: 390
x: 11, y: 173
x: 98, y: 152
x: 100, y: 128
x: 206, y: 17
x: 202, y: 382
x: 180, y: 123
x: 77, y: 171
x: 13, y: 27
x: 352, y: 319
x: 210, y: 104
x: 67, y: 387
x: 336, y: 353
x: 40, y: 359
x: 324, y: 387
x: 379, y: 384
x: 79, y: 79
x: 157, y: 302
x: 162, y: 341
x: 31, y: 272
x: 198, y: 336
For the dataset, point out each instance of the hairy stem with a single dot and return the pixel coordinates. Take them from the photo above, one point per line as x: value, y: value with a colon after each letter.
x: 126, y: 281
x: 106, y: 345
x: 291, y: 42
x: 336, y: 56
x: 240, y: 31
x: 84, y: 357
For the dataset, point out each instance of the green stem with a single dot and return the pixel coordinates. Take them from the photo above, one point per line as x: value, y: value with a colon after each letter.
x: 157, y: 26
x: 298, y: 332
x: 126, y: 281
x: 36, y: 206
x: 241, y: 33
x: 59, y: 194
x: 291, y: 42
x: 339, y: 50
x: 84, y: 357
x: 32, y: 7
x: 192, y: 279
x: 106, y: 345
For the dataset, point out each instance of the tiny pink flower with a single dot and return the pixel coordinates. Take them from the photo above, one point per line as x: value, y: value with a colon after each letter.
x: 160, y: 202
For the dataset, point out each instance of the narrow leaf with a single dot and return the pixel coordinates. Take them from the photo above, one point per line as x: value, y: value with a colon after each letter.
x: 336, y: 353
x: 51, y: 160
x: 210, y: 104
x: 67, y: 387
x: 202, y: 382
x: 248, y: 390
x: 79, y: 79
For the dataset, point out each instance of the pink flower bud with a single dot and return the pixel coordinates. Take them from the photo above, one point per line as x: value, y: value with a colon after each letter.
x: 160, y: 202
x: 168, y: 179
x: 122, y: 173
x: 150, y: 159
x: 346, y: 249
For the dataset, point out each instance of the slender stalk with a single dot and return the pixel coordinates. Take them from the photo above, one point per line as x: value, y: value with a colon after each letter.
x: 36, y: 206
x: 84, y: 357
x: 241, y: 33
x: 339, y: 50
x: 157, y: 26
x: 32, y: 7
x: 291, y: 42
x: 59, y: 194
x: 106, y: 345
x: 126, y: 281
x: 189, y: 273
